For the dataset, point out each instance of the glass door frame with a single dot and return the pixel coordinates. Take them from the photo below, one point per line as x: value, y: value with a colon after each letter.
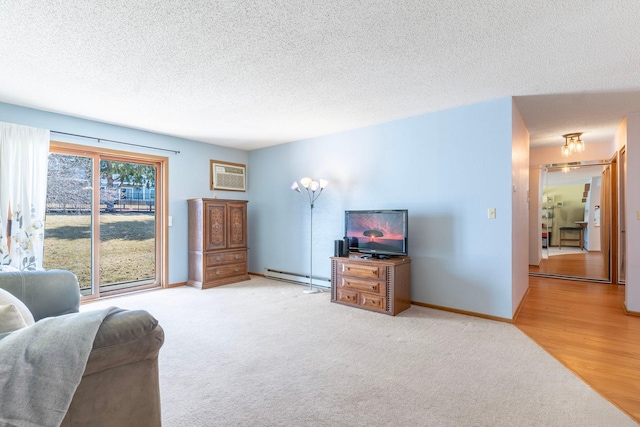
x: 161, y: 199
x: 622, y: 220
x: 608, y: 210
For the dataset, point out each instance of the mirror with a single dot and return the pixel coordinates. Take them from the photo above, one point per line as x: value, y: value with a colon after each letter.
x: 571, y: 205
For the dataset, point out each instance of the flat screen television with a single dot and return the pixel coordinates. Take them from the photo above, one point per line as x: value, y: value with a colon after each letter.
x: 377, y: 233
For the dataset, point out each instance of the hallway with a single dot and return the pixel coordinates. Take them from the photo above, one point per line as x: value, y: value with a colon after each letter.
x: 583, y: 325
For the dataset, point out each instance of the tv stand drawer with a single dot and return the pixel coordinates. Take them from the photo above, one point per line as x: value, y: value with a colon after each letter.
x: 348, y: 297
x: 365, y: 269
x: 373, y: 301
x: 372, y: 286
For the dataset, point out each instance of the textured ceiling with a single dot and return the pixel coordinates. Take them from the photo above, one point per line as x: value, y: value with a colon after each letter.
x: 250, y: 74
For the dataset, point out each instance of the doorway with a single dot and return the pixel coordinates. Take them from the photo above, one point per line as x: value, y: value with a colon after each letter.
x: 104, y: 215
x: 622, y: 253
x: 575, y: 220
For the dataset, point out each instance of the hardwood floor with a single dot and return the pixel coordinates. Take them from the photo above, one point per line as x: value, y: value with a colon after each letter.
x: 583, y: 325
x: 591, y: 265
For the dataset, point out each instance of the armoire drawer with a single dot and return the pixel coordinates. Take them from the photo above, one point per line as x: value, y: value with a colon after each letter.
x: 223, y: 271
x: 218, y: 258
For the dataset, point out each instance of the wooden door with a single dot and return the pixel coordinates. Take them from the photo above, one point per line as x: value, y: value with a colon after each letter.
x: 237, y: 212
x: 215, y: 220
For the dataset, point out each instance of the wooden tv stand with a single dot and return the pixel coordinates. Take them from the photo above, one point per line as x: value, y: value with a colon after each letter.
x: 382, y: 285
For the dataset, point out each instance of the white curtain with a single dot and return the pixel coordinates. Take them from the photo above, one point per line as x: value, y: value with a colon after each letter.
x: 23, y: 193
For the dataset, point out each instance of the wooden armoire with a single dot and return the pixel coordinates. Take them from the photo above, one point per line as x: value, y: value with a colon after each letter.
x: 217, y: 242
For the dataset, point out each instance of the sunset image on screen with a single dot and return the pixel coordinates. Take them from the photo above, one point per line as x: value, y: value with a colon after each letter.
x: 374, y: 229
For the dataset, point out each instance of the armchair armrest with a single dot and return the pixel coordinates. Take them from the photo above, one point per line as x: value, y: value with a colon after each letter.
x: 46, y: 293
x: 120, y: 385
x: 125, y: 337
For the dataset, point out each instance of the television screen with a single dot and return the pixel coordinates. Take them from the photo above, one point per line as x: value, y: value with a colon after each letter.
x: 378, y: 233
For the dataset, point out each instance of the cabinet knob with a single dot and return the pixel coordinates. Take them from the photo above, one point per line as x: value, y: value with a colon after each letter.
x: 217, y: 271
x: 236, y: 269
x: 237, y: 256
x: 372, y: 287
x: 373, y: 272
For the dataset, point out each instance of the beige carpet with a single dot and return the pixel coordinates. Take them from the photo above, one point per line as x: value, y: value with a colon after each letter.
x: 263, y: 353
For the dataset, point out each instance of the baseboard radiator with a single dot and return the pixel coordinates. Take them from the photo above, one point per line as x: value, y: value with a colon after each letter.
x: 302, y: 279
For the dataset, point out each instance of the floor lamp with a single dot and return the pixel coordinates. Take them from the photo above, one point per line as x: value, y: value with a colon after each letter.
x: 314, y: 189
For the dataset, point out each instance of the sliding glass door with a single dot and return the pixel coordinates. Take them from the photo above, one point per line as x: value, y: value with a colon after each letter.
x: 103, y: 219
x: 127, y: 225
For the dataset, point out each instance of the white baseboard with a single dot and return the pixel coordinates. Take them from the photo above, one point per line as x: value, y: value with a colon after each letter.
x: 320, y: 282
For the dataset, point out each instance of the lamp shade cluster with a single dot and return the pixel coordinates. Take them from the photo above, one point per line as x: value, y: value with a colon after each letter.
x: 572, y: 144
x: 314, y: 188
x: 310, y: 185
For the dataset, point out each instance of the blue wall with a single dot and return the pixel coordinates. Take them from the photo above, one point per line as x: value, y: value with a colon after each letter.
x: 188, y: 171
x: 447, y: 168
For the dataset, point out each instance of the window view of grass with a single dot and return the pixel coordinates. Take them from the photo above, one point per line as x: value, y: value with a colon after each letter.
x: 127, y: 246
x: 67, y: 245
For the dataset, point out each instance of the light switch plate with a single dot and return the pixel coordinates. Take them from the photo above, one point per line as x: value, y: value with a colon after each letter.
x: 491, y: 213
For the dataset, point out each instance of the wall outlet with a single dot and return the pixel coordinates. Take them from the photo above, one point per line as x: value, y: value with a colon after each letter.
x: 491, y: 213
x: 170, y: 221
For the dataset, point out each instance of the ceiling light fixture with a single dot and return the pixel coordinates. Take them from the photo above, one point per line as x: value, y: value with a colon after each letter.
x: 572, y: 143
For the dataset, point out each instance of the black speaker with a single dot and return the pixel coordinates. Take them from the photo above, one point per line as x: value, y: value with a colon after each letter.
x: 345, y: 246
x: 338, y: 248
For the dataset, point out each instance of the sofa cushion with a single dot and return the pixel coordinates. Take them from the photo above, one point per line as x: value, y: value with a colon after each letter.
x: 46, y: 293
x: 10, y: 319
x: 7, y: 298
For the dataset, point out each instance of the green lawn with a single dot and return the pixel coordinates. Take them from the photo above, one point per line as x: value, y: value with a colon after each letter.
x: 127, y: 246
